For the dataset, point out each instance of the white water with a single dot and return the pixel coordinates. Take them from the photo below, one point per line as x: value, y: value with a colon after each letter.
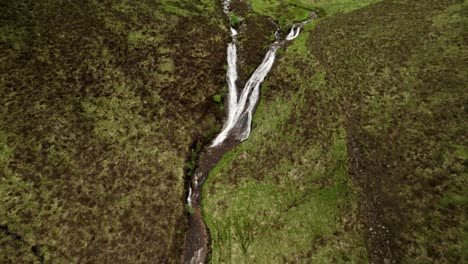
x: 233, y: 32
x: 295, y: 30
x: 240, y: 108
x: 226, y: 4
x: 189, y: 197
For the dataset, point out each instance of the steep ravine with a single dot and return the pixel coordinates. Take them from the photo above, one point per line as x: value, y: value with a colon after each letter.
x: 241, y: 105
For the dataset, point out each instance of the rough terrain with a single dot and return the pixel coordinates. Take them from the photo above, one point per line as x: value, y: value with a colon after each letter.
x: 359, y: 148
x: 101, y: 104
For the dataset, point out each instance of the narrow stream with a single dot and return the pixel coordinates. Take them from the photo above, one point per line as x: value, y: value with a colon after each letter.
x: 237, y: 127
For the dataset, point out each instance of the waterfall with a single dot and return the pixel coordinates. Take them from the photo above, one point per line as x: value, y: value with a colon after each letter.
x: 293, y: 33
x: 240, y: 109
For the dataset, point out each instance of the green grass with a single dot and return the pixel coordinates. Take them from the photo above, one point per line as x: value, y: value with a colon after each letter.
x: 402, y: 92
x: 280, y: 11
x: 387, y: 80
x: 277, y: 194
x: 99, y: 108
x: 290, y: 11
x: 102, y: 116
x: 331, y: 7
x: 235, y: 20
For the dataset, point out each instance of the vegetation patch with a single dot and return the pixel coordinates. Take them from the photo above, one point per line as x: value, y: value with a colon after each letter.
x: 99, y: 108
x: 284, y: 194
x: 235, y: 20
x: 358, y: 152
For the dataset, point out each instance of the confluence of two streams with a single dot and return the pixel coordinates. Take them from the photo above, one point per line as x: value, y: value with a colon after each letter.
x: 240, y: 109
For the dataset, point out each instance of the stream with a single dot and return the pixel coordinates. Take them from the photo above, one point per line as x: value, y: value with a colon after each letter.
x: 237, y: 127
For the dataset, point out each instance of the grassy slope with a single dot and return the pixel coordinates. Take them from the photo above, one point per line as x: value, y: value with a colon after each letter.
x: 99, y: 104
x: 289, y: 11
x: 284, y: 193
x: 382, y: 86
x: 402, y: 76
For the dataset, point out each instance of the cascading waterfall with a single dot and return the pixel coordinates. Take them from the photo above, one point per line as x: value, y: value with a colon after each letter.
x: 240, y: 109
x: 243, y: 106
x: 293, y: 33
x: 226, y: 4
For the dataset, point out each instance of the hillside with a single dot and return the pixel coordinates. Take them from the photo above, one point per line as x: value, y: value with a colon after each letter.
x: 358, y: 149
x: 101, y: 104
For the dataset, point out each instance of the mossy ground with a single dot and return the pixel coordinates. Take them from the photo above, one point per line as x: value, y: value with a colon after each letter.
x: 362, y: 119
x: 403, y: 79
x: 100, y: 102
x: 361, y: 125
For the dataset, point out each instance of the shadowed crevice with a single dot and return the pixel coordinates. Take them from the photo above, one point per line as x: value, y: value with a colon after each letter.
x: 35, y: 249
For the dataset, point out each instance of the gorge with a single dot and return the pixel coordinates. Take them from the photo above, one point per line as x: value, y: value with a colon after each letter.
x: 237, y: 128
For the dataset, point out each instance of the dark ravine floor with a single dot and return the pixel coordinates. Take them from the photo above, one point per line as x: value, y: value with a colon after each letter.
x: 197, y: 240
